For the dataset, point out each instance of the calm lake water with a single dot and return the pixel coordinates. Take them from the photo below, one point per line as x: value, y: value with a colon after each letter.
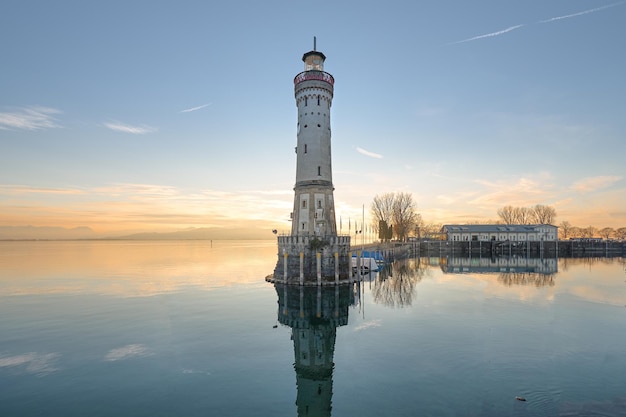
x: 192, y: 329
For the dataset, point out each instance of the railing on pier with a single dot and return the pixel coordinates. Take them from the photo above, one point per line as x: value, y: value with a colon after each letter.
x: 306, y: 240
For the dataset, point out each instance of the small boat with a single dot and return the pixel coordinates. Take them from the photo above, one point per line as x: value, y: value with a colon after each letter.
x: 376, y: 255
x: 367, y: 264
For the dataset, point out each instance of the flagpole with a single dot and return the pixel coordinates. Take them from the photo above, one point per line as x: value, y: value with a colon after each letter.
x: 362, y: 229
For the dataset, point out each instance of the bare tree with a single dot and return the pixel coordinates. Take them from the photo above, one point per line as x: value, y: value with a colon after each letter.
x: 404, y: 215
x: 381, y: 211
x: 431, y: 230
x: 507, y: 214
x: 589, y: 232
x: 420, y: 227
x: 607, y: 232
x: 575, y: 232
x: 544, y: 214
x: 523, y: 215
x: 565, y: 229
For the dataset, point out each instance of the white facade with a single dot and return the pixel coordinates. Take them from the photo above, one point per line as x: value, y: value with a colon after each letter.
x: 501, y: 232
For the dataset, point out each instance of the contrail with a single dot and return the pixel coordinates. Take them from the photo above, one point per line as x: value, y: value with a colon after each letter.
x: 194, y: 108
x: 553, y: 19
x: 567, y: 16
x: 488, y: 35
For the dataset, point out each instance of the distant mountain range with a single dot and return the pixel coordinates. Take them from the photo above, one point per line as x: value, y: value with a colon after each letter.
x: 77, y: 233
x: 202, y: 233
x: 45, y: 233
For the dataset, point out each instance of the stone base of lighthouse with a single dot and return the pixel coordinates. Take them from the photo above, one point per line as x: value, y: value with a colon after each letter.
x: 313, y: 260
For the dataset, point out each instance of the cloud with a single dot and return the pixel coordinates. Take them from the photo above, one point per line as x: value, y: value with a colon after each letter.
x: 127, y: 352
x: 590, y: 184
x: 523, y: 191
x: 29, y: 118
x: 195, y: 108
x: 489, y: 35
x: 19, y: 189
x: 35, y: 363
x: 368, y: 324
x: 135, y: 130
x: 368, y: 153
x: 567, y: 16
x: 138, y: 190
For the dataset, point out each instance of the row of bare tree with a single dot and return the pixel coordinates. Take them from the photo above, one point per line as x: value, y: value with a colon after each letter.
x: 538, y: 214
x: 567, y: 231
x: 394, y: 215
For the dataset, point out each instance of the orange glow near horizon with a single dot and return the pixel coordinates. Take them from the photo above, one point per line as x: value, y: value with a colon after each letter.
x: 136, y: 208
x: 131, y: 269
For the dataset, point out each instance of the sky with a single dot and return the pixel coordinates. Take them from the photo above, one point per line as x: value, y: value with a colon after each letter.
x: 156, y: 116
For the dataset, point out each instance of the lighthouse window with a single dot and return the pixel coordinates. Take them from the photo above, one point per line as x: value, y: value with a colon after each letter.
x: 319, y: 170
x: 306, y: 101
x: 319, y: 203
x: 303, y: 203
x: 306, y: 125
x: 318, y: 100
x: 319, y: 125
x: 305, y: 148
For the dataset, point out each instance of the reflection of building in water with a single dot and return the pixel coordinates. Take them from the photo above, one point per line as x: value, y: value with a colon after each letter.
x: 314, y: 313
x: 458, y: 265
x: 511, y: 271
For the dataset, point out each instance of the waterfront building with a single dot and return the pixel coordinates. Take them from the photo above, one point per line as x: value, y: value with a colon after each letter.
x: 500, y: 232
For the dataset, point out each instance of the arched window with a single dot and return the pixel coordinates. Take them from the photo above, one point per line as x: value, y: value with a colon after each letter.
x: 318, y: 100
x: 306, y: 101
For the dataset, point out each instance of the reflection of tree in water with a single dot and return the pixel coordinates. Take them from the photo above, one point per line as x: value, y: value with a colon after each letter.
x: 526, y: 278
x: 395, y: 284
x: 566, y: 263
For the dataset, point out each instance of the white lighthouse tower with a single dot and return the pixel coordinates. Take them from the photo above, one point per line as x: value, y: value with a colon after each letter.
x: 313, y: 254
x: 313, y: 206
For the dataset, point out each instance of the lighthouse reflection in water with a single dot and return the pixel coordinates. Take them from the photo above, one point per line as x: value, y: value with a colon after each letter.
x: 314, y: 313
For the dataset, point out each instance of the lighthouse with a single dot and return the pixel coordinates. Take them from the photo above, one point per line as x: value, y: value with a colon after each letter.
x: 313, y: 206
x: 313, y: 253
